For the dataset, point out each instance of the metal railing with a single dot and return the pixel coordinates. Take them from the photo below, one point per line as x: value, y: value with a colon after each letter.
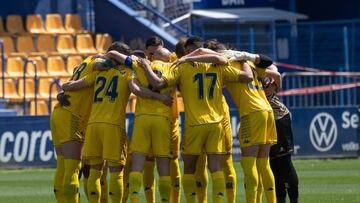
x: 153, y: 15
x: 35, y: 85
x: 2, y: 67
x: 321, y: 89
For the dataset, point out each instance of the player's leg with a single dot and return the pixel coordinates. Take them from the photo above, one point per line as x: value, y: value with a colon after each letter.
x: 161, y: 136
x: 291, y: 178
x: 259, y: 191
x: 140, y: 148
x: 94, y: 180
x: 214, y: 147
x: 149, y: 179
x: 202, y: 179
x: 227, y: 162
x: 251, y: 178
x: 72, y: 146
x: 115, y: 153
x: 136, y: 175
x: 127, y: 170
x: 175, y: 173
x: 58, y: 183
x: 276, y: 167
x: 85, y: 169
x: 104, y: 184
x: 116, y: 184
x: 188, y: 179
x: 175, y: 176
x: 264, y: 169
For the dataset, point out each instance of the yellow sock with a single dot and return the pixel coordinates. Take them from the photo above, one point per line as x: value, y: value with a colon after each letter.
x: 267, y: 177
x: 230, y: 178
x: 127, y: 170
x: 259, y: 191
x: 94, y: 187
x: 59, y: 180
x: 202, y: 179
x: 189, y: 185
x: 116, y: 186
x: 218, y: 190
x: 135, y: 180
x: 250, y: 178
x: 175, y: 175
x: 104, y: 185
x: 165, y: 188
x: 149, y: 181
x: 71, y: 180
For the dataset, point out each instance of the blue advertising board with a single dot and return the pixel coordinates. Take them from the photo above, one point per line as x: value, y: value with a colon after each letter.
x: 217, y: 4
x: 318, y: 133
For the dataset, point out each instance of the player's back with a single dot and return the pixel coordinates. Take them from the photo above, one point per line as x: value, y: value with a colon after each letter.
x: 248, y: 97
x: 111, y: 95
x: 152, y: 106
x: 80, y: 101
x: 200, y: 86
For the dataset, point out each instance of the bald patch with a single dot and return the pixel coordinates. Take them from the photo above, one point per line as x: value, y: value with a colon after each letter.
x: 162, y: 54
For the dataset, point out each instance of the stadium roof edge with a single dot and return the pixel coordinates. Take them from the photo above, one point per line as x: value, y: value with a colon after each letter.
x: 250, y: 14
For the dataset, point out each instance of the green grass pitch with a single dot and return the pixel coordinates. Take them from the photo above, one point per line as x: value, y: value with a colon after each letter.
x: 329, y: 181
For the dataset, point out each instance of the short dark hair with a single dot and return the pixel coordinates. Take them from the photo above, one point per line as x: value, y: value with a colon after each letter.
x: 120, y: 47
x: 180, y: 50
x: 194, y: 41
x: 154, y: 41
x: 139, y: 53
x: 214, y: 45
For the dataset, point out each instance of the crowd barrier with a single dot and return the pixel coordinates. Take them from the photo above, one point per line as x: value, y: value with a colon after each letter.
x: 25, y: 141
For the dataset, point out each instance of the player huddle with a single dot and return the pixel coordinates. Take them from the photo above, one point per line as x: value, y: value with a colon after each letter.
x: 88, y: 124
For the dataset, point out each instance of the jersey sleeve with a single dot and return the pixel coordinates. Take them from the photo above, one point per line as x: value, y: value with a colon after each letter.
x: 172, y: 75
x: 230, y: 74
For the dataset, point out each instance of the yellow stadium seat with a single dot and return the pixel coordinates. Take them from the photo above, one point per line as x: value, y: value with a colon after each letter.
x: 65, y: 44
x: 2, y: 29
x: 30, y: 68
x: 85, y: 43
x: 29, y: 88
x: 8, y: 45
x: 54, y: 23
x: 41, y: 107
x: 44, y: 88
x: 34, y: 24
x: 25, y: 44
x: 56, y: 66
x: 15, y: 66
x: 14, y: 24
x: 103, y: 42
x: 73, y: 23
x: 10, y: 89
x: 73, y: 62
x: 46, y: 44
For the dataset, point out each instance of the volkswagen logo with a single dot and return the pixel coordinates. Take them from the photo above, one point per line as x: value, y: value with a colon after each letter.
x: 323, y: 132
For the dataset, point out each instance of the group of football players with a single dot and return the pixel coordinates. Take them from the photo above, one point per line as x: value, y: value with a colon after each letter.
x: 89, y: 136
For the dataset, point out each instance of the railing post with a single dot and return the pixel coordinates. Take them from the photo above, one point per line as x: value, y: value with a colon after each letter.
x: 2, y: 67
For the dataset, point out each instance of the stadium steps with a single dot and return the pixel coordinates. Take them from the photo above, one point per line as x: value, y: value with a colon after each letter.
x: 148, y: 26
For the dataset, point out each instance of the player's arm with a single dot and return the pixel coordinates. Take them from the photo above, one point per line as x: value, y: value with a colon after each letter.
x: 152, y: 78
x: 246, y: 74
x: 272, y: 72
x: 84, y: 82
x: 75, y: 85
x: 141, y: 91
x: 207, y: 58
x: 202, y: 51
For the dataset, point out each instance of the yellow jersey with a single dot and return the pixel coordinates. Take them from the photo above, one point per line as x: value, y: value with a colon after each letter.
x: 248, y: 97
x: 111, y: 95
x: 80, y: 102
x: 173, y: 57
x: 145, y: 106
x: 200, y: 86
